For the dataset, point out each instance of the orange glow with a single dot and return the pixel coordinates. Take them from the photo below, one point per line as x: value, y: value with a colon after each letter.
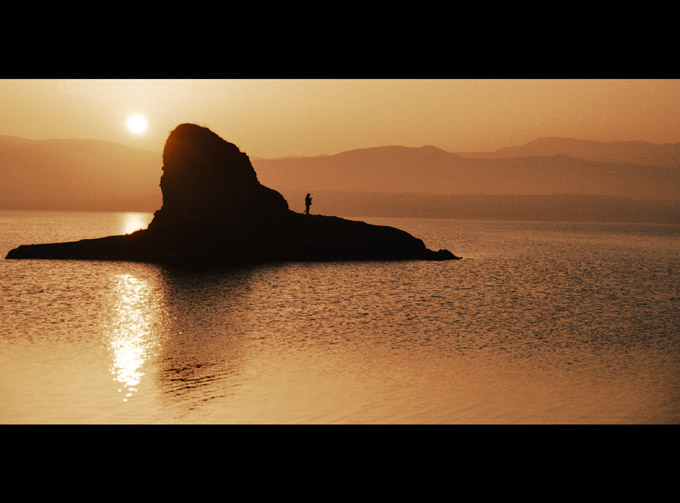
x: 278, y: 118
x: 270, y: 119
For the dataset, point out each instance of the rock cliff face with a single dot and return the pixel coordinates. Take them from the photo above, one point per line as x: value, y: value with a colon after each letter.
x: 215, y: 209
x: 209, y: 182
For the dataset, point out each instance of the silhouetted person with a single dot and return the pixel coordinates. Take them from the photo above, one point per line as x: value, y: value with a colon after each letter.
x: 308, y: 203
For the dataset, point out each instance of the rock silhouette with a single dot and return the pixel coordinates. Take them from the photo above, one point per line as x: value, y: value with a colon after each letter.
x: 215, y: 210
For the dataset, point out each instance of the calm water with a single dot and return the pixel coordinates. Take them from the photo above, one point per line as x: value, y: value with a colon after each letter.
x: 540, y: 323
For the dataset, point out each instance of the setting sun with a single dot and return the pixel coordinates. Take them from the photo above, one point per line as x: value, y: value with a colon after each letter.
x: 137, y: 124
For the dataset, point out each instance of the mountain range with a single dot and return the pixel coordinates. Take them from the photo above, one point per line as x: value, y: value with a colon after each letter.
x: 549, y: 178
x: 622, y: 152
x: 430, y: 170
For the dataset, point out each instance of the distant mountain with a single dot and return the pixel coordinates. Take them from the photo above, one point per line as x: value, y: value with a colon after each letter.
x: 665, y: 155
x: 77, y: 175
x: 429, y: 170
x: 537, y: 181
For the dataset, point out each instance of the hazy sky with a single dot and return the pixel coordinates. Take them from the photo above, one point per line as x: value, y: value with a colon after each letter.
x: 289, y: 117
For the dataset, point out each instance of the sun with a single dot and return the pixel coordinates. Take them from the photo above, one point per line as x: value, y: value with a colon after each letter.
x: 137, y: 124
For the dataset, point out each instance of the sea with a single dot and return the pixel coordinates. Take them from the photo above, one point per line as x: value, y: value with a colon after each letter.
x: 538, y: 323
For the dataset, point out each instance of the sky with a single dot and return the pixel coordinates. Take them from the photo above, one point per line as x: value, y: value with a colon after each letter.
x: 304, y: 117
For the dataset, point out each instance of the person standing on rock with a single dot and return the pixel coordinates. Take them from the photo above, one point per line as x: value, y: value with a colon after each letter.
x: 308, y: 203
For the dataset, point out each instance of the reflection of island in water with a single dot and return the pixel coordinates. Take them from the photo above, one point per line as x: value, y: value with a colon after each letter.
x: 215, y: 210
x: 206, y: 317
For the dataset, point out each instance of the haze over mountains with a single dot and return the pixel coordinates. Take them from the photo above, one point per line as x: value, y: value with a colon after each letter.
x: 83, y: 175
x: 547, y: 179
x: 623, y: 152
x: 429, y: 170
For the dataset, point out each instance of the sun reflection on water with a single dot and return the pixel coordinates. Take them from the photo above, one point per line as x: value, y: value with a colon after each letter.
x: 132, y: 340
x: 131, y: 222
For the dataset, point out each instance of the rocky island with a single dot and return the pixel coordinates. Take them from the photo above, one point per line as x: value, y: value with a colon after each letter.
x: 215, y: 210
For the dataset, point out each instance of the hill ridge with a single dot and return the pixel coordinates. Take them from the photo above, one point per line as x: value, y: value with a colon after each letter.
x: 639, y: 152
x: 126, y: 178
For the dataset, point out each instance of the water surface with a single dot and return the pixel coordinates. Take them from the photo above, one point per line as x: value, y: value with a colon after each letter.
x: 539, y: 323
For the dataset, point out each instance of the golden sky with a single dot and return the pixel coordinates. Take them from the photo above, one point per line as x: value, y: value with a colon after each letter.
x: 291, y: 117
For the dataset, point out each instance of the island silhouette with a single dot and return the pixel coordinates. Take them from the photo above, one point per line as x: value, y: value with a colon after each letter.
x: 214, y: 209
